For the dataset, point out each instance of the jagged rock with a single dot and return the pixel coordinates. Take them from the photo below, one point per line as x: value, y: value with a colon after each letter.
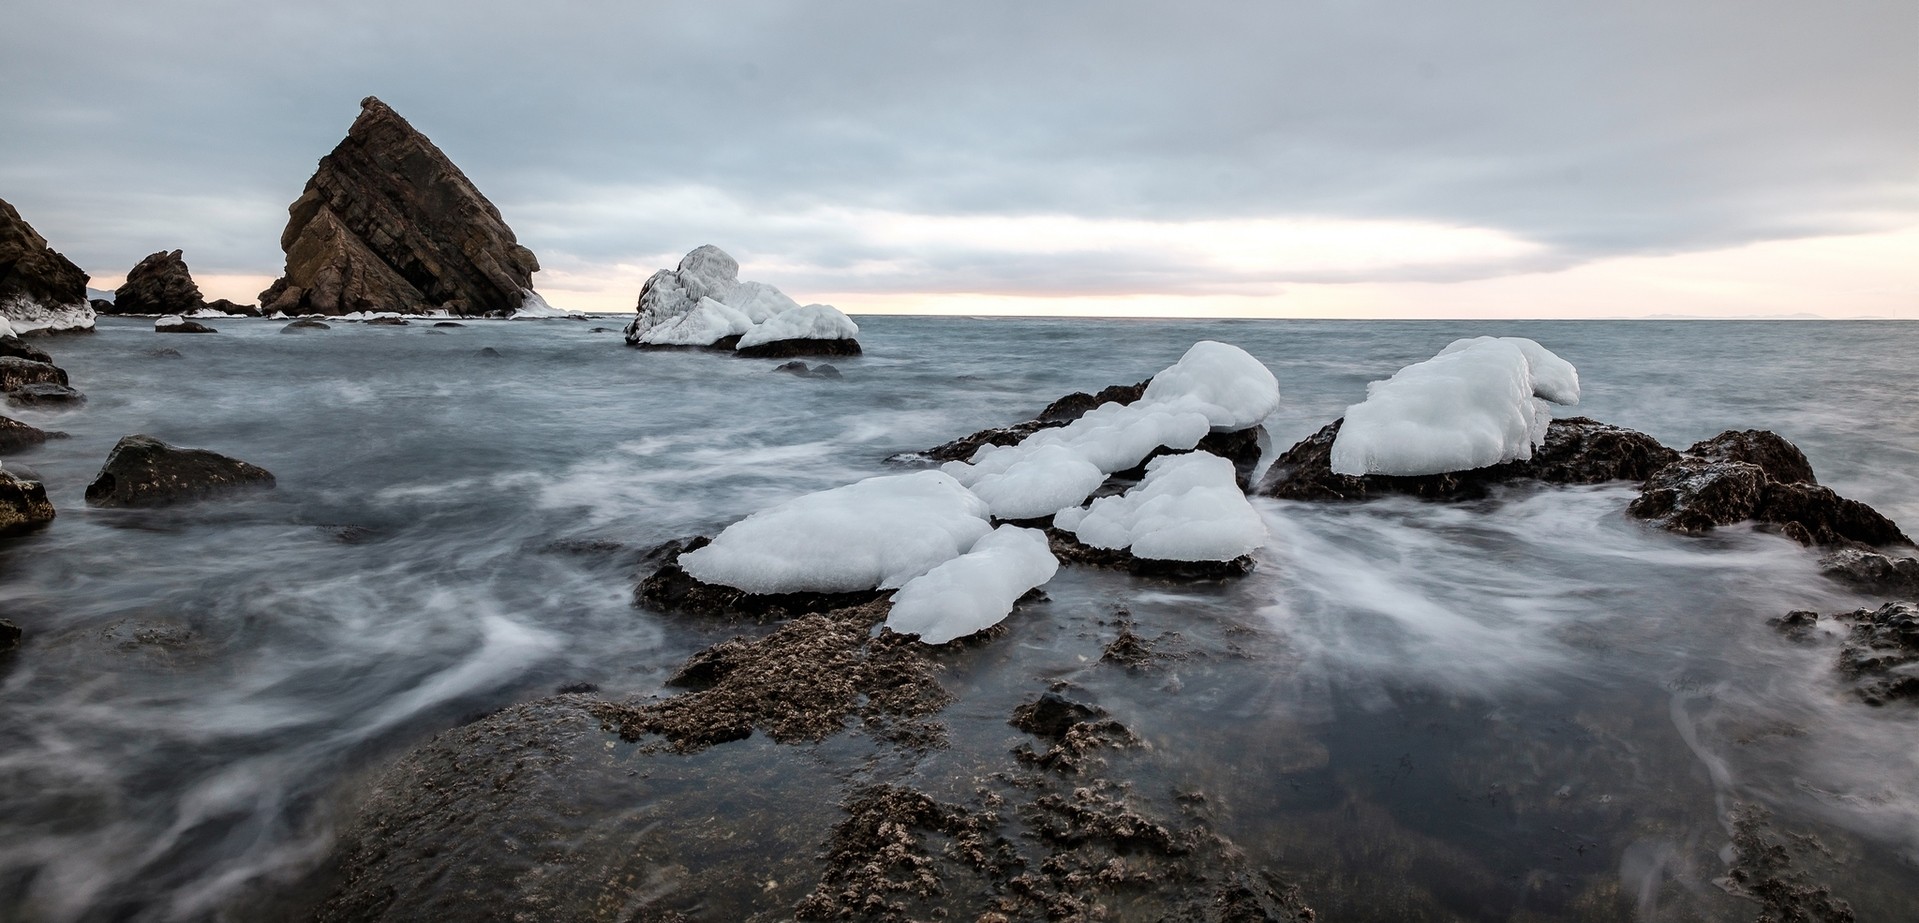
x: 23, y: 505
x: 1873, y: 572
x: 40, y: 290
x: 304, y: 324
x: 21, y: 349
x: 159, y: 284
x: 143, y: 471
x: 1881, y: 655
x: 15, y: 435
x: 1718, y: 487
x: 1577, y: 450
x: 174, y: 323
x: 46, y: 394
x: 1052, y: 715
x: 388, y: 223
x: 16, y: 373
x: 672, y: 589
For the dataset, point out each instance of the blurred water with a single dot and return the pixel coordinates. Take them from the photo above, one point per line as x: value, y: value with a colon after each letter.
x: 1439, y: 696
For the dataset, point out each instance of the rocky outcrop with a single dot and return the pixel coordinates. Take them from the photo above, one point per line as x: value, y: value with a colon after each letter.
x: 23, y: 505
x: 143, y: 471
x: 224, y: 306
x: 702, y: 304
x: 1761, y: 477
x: 388, y: 223
x: 1577, y: 450
x: 40, y: 290
x: 1873, y: 572
x: 21, y: 349
x: 787, y: 349
x: 1881, y: 654
x: 160, y: 284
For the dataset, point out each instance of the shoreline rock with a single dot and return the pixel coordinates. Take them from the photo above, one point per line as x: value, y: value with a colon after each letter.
x: 174, y: 323
x: 15, y: 435
x: 24, y: 506
x: 388, y: 223
x: 41, y: 292
x: 1759, y: 476
x: 142, y: 471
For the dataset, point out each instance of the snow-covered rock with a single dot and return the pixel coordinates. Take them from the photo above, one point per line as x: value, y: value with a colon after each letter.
x: 759, y: 301
x: 707, y: 272
x: 1188, y: 508
x: 707, y: 324
x: 27, y: 316
x: 6, y: 328
x: 534, y: 307
x: 877, y: 533
x: 812, y: 322
x: 1479, y: 402
x: 976, y: 590
x: 1222, y: 381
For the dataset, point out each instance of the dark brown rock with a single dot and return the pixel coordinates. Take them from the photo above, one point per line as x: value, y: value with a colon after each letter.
x: 227, y: 307
x: 183, y: 325
x: 1881, y: 655
x: 45, y: 395
x: 17, y: 348
x: 1576, y: 450
x: 787, y: 349
x: 23, y: 505
x: 143, y: 471
x: 10, y: 635
x: 1058, y: 413
x: 672, y: 589
x: 1702, y: 491
x: 1070, y: 550
x: 39, y: 288
x: 1075, y: 405
x: 388, y: 223
x: 1052, y: 714
x: 305, y: 324
x: 18, y: 373
x: 15, y: 435
x: 159, y: 284
x: 387, y: 322
x: 1873, y: 572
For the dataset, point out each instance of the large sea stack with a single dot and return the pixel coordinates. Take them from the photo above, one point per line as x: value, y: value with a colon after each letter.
x: 40, y: 290
x: 388, y: 223
x: 160, y: 284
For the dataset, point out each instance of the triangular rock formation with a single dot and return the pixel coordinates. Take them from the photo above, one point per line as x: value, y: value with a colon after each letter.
x: 160, y: 284
x: 388, y: 223
x: 40, y: 290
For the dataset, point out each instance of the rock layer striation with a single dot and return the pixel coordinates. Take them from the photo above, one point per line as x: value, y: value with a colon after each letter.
x: 388, y: 223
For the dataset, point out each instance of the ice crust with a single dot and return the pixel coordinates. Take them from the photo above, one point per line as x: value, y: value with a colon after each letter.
x: 683, y: 307
x: 25, y: 315
x: 534, y: 307
x: 1188, y: 508
x: 875, y: 534
x: 1479, y: 402
x: 976, y: 590
x: 1222, y: 381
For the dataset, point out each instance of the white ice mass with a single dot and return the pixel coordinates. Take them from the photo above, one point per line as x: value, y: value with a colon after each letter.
x: 534, y: 307
x: 1479, y: 402
x: 703, y: 301
x: 25, y: 315
x: 976, y: 590
x: 875, y: 534
x: 1189, y: 508
x: 1222, y: 381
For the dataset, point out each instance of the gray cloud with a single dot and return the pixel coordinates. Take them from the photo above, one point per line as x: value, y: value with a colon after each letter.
x: 1591, y: 129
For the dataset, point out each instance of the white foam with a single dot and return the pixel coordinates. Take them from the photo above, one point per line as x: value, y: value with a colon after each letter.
x: 976, y: 590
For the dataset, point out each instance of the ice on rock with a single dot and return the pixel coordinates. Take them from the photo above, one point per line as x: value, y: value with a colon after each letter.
x: 1188, y: 508
x: 1233, y: 389
x: 976, y: 590
x: 24, y: 316
x: 706, y: 272
x: 759, y: 301
x: 168, y: 320
x: 813, y: 322
x: 706, y: 324
x: 1036, y: 483
x: 534, y: 306
x: 1477, y: 403
x: 875, y: 534
x: 6, y: 328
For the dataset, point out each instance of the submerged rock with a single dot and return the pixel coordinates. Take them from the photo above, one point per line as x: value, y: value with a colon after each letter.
x: 143, y: 471
x: 174, y: 323
x: 1058, y: 413
x: 40, y: 290
x: 304, y: 324
x: 45, y: 395
x: 15, y: 435
x: 159, y: 284
x: 388, y: 223
x: 10, y: 635
x: 1758, y: 476
x: 23, y: 505
x: 1576, y: 450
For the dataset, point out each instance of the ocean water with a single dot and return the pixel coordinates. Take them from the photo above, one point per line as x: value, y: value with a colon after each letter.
x: 1529, y: 707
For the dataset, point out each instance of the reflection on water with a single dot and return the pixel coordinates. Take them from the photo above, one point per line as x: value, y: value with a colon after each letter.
x: 1527, y: 705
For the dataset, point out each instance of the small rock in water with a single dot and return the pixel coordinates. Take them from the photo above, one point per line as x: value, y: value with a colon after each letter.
x: 1052, y: 715
x: 304, y: 324
x: 387, y: 322
x: 826, y: 370
x: 143, y: 471
x: 1872, y: 571
x: 165, y: 352
x: 15, y: 435
x: 10, y: 635
x: 448, y: 323
x: 23, y: 505
x: 45, y: 395
x: 174, y: 323
x: 16, y: 373
x: 795, y: 367
x: 489, y: 352
x: 1759, y: 476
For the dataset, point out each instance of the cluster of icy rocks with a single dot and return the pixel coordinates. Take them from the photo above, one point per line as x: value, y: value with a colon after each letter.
x: 703, y: 302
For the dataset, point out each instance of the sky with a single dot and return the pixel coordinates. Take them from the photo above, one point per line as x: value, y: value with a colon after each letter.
x: 1530, y: 158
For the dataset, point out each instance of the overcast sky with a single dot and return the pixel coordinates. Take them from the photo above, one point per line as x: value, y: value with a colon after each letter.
x: 1532, y: 158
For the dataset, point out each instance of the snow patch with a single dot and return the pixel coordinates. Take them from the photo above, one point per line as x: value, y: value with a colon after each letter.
x: 168, y: 320
x: 1479, y: 402
x: 976, y: 590
x: 813, y: 322
x: 705, y: 325
x: 1188, y: 508
x: 875, y: 534
x: 1222, y: 381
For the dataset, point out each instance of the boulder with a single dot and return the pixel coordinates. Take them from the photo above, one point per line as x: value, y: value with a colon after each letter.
x: 143, y: 471
x: 304, y: 324
x: 16, y: 373
x: 159, y: 284
x: 224, y: 306
x: 15, y: 435
x: 388, y: 223
x: 786, y: 349
x: 45, y: 395
x: 1758, y: 476
x: 387, y: 322
x: 174, y: 323
x: 23, y: 505
x: 21, y: 349
x: 1576, y: 450
x: 40, y: 290
x: 1873, y: 572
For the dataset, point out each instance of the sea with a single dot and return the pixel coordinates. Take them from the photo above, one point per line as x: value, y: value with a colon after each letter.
x: 1528, y: 707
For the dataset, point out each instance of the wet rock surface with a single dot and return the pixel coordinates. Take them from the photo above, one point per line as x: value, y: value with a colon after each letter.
x: 671, y: 589
x: 159, y: 284
x: 10, y: 635
x: 1070, y: 550
x: 305, y: 324
x: 1058, y: 413
x: 1881, y: 654
x: 800, y: 369
x: 142, y: 471
x: 1768, y: 869
x: 1740, y: 476
x: 15, y: 435
x: 35, y: 280
x: 46, y: 396
x: 16, y: 373
x: 786, y: 349
x: 24, y: 506
x: 1874, y: 572
x: 17, y: 348
x: 1577, y: 450
x: 388, y: 223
